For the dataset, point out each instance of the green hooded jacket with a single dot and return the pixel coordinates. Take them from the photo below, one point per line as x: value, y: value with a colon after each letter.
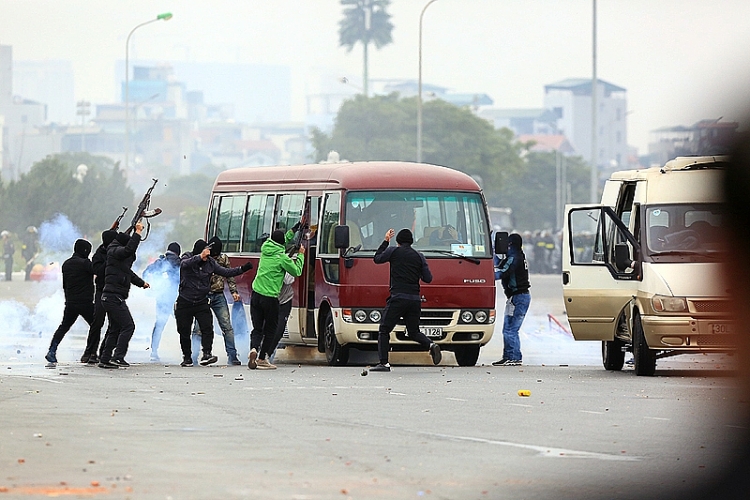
x: 274, y: 263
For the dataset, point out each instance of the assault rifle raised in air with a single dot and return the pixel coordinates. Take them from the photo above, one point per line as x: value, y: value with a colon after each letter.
x: 116, y: 223
x: 143, y: 212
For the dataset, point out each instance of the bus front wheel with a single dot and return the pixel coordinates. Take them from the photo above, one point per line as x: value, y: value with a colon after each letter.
x: 645, y: 358
x: 466, y: 355
x: 336, y: 354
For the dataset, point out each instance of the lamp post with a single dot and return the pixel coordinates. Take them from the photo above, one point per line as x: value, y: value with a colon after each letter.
x: 594, y: 188
x: 161, y: 17
x: 419, y: 88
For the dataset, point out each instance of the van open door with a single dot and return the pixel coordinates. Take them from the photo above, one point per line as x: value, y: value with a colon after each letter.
x: 601, y: 270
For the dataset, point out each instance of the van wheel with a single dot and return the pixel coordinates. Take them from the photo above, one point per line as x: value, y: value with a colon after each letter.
x: 466, y: 355
x: 612, y: 355
x: 645, y: 358
x: 336, y: 354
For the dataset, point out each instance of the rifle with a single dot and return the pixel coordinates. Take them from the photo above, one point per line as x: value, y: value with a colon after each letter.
x: 116, y: 223
x: 297, y: 240
x: 142, y: 212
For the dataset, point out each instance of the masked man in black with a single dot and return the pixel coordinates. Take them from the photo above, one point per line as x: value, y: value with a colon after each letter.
x: 99, y: 263
x: 118, y: 276
x: 196, y: 269
x: 78, y: 285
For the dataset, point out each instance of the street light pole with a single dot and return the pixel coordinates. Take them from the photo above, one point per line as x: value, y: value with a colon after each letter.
x: 165, y: 17
x: 83, y: 111
x: 594, y: 194
x: 419, y: 90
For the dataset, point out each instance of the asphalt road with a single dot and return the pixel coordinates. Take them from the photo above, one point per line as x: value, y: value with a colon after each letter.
x: 309, y: 431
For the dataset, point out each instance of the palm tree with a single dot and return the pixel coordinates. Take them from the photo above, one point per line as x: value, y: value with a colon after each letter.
x: 365, y: 21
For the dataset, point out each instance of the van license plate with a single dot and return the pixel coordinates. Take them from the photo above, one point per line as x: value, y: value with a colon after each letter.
x: 431, y: 332
x: 721, y: 328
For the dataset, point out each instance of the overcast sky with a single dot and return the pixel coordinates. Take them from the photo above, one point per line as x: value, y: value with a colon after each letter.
x: 680, y: 60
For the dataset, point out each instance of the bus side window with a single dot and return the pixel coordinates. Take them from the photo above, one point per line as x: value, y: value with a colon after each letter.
x: 229, y: 224
x: 331, y: 217
x: 258, y: 221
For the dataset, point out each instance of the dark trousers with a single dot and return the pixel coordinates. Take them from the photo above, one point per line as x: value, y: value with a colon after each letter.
x: 8, y: 269
x: 121, y: 328
x: 95, y: 331
x: 184, y: 314
x: 411, y: 311
x: 264, y: 312
x: 285, y: 310
x: 70, y: 315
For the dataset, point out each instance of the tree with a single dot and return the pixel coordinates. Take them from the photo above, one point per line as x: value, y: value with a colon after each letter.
x: 366, y: 22
x: 530, y: 192
x: 91, y: 196
x: 384, y: 128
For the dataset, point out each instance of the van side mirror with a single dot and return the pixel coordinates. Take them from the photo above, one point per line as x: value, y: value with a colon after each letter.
x: 341, y: 237
x: 622, y: 257
x: 501, y: 242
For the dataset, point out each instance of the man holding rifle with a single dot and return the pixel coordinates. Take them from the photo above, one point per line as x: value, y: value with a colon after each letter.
x: 118, y: 276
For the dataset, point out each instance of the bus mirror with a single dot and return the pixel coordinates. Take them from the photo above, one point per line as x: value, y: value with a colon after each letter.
x: 341, y: 237
x: 622, y: 257
x: 501, y: 242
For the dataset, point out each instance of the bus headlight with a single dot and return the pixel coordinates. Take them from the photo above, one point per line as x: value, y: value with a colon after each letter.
x: 481, y: 316
x: 467, y: 316
x: 360, y: 316
x: 375, y: 316
x: 664, y: 303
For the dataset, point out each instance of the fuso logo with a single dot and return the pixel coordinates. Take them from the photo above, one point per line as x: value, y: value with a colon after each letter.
x: 478, y: 280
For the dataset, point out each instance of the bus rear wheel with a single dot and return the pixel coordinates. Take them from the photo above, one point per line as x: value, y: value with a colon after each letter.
x: 466, y: 355
x: 336, y: 354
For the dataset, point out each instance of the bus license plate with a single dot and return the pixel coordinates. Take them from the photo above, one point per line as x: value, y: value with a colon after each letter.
x: 721, y: 328
x: 431, y: 331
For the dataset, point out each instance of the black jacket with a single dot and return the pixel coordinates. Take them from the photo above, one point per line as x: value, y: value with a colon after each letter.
x: 120, y: 257
x: 99, y: 260
x: 407, y: 267
x: 78, y: 275
x: 195, y: 276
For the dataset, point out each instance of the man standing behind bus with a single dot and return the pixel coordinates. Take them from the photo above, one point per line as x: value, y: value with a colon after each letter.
x: 264, y: 302
x: 407, y: 267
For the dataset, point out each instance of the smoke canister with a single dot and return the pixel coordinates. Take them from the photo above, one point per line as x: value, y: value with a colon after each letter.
x: 525, y: 393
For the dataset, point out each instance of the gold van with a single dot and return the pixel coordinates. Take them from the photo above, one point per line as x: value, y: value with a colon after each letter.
x: 641, y: 271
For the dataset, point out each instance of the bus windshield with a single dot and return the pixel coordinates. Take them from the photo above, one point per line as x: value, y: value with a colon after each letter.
x: 443, y: 223
x: 684, y: 229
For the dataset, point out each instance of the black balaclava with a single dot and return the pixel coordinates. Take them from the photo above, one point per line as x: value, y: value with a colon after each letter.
x: 108, y: 237
x: 122, y: 238
x: 515, y: 241
x: 278, y: 237
x: 174, y: 247
x: 82, y: 248
x: 404, y: 236
x: 198, y: 246
x: 216, y: 247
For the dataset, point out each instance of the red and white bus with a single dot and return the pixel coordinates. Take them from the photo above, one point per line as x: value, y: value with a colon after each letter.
x: 340, y: 296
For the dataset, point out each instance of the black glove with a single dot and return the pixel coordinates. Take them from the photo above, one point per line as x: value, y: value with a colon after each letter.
x: 295, y: 227
x: 246, y: 266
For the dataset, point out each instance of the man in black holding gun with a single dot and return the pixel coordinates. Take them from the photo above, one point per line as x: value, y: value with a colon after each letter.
x: 196, y: 269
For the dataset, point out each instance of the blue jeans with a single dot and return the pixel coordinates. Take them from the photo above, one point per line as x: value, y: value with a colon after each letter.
x: 163, y: 311
x: 515, y: 311
x: 218, y: 304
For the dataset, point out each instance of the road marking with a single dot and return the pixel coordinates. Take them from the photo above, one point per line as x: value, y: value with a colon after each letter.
x: 594, y: 412
x: 658, y: 418
x: 40, y: 379
x: 456, y: 399
x: 519, y: 404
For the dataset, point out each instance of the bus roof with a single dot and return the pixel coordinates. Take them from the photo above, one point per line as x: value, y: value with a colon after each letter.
x: 371, y: 175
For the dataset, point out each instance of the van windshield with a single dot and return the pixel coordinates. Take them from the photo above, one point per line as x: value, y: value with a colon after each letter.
x: 443, y: 223
x: 684, y: 229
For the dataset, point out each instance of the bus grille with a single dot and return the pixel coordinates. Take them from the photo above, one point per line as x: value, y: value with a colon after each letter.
x: 434, y: 317
x: 711, y: 306
x: 717, y: 340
